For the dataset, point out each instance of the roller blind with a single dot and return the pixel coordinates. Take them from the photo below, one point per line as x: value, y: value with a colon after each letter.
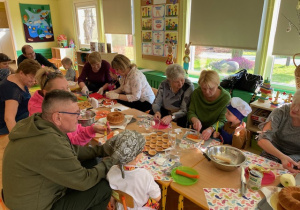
x: 226, y: 23
x: 117, y: 16
x: 287, y: 43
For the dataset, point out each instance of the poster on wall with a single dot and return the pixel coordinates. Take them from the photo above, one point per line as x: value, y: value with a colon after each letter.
x: 37, y: 23
x: 159, y: 21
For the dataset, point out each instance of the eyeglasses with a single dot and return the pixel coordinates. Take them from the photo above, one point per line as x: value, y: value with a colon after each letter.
x: 73, y: 113
x: 51, y: 75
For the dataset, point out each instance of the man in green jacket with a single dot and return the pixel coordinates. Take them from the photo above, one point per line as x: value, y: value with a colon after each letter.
x: 42, y: 170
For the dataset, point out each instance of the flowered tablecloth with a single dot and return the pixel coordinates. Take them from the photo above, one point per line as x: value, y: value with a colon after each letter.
x: 230, y: 199
x: 264, y: 162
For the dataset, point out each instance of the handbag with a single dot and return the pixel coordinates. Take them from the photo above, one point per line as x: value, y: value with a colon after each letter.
x: 230, y: 81
x: 249, y: 82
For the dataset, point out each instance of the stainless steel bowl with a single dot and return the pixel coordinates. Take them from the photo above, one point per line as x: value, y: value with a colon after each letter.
x: 236, y: 156
x: 87, y: 118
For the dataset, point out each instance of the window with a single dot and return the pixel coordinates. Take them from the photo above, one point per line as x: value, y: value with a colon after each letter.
x: 86, y: 23
x: 282, y: 75
x: 225, y: 61
x: 122, y: 44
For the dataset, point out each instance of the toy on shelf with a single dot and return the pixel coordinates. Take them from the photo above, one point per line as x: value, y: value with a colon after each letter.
x: 71, y: 44
x: 266, y: 91
x: 169, y: 60
x: 186, y: 57
x: 275, y: 103
x: 62, y: 41
x: 289, y: 99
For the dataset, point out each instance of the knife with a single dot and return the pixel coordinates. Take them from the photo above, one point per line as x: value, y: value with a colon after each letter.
x: 243, y: 182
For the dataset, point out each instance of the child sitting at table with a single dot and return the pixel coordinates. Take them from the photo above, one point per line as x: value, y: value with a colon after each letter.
x: 68, y: 65
x: 129, y: 178
x: 234, y: 131
x: 113, y: 85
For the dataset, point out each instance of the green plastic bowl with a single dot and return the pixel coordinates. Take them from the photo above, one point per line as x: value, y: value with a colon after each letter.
x: 182, y: 179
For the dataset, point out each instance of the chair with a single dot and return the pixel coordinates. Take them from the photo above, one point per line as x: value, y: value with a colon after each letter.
x: 56, y: 62
x: 123, y: 198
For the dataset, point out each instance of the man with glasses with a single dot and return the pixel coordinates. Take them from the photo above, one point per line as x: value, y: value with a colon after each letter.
x: 28, y: 53
x: 42, y: 170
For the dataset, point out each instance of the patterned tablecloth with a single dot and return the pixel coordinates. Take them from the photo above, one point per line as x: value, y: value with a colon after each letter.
x: 228, y: 198
x: 150, y: 164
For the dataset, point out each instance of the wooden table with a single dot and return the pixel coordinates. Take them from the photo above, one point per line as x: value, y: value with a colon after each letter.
x: 210, y: 177
x: 189, y: 158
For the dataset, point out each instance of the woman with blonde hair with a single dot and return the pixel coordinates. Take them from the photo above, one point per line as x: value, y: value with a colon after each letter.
x: 280, y: 135
x: 135, y: 91
x: 208, y: 104
x: 14, y: 95
x: 95, y: 74
x: 50, y: 80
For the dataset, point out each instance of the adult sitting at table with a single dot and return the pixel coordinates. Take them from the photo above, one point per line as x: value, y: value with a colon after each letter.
x: 14, y: 95
x: 42, y: 170
x: 95, y: 74
x: 135, y: 91
x: 208, y: 104
x: 5, y: 70
x: 28, y: 53
x: 50, y: 80
x: 280, y: 135
x: 173, y: 97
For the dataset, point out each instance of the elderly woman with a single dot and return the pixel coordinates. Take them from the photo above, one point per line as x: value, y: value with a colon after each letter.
x: 14, y: 95
x: 94, y: 75
x: 208, y: 104
x: 173, y: 97
x: 280, y: 135
x: 135, y: 91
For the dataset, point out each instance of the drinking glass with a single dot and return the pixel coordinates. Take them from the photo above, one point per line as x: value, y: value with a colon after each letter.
x: 172, y: 138
x: 146, y: 124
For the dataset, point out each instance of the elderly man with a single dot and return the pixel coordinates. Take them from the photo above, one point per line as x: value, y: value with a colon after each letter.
x: 28, y: 52
x: 42, y: 170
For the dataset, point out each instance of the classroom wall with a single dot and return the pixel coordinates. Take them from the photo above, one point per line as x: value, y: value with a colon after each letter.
x: 17, y: 26
x: 64, y: 22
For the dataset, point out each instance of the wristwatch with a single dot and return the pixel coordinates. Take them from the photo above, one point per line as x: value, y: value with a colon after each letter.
x: 173, y: 117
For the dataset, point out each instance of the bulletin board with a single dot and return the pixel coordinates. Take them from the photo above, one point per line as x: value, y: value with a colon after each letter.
x: 159, y: 21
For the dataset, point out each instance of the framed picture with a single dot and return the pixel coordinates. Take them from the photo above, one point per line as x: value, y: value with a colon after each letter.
x: 37, y: 23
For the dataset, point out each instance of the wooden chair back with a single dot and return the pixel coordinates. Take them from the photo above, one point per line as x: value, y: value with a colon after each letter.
x: 123, y: 198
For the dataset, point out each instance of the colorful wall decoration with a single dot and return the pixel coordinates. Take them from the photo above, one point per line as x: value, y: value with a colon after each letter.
x: 159, y: 19
x: 37, y: 23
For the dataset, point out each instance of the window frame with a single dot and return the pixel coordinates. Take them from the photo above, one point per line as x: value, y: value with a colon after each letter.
x: 83, y: 4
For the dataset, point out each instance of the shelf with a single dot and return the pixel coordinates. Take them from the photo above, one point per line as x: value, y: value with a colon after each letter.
x: 255, y: 106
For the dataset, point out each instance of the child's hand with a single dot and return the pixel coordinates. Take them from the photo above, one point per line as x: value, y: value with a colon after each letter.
x: 239, y: 128
x: 112, y: 204
x: 216, y: 134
